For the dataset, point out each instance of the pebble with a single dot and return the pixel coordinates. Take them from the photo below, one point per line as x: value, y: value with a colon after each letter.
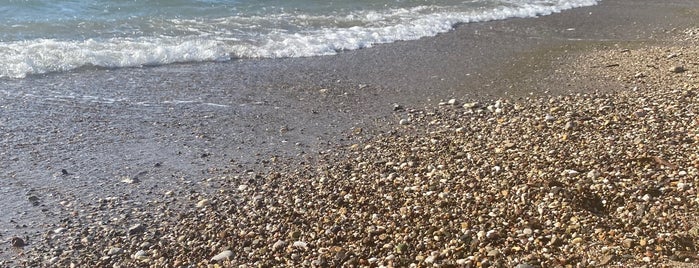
x: 17, y: 242
x: 202, y: 203
x: 136, y: 229
x: 678, y: 69
x: 524, y: 265
x: 224, y: 255
x: 278, y: 245
x: 606, y: 259
x: 131, y: 180
x: 470, y: 105
x: 114, y: 251
x: 300, y: 245
x: 140, y: 255
x: 593, y: 174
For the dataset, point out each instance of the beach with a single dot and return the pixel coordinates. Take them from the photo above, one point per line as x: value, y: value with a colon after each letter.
x: 569, y: 139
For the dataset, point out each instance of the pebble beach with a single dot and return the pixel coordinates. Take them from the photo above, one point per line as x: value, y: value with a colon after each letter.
x: 587, y: 179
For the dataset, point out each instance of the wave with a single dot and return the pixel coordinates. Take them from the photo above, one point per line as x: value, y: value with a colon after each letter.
x: 285, y: 35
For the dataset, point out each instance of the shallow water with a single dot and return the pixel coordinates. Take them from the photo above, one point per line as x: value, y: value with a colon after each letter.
x: 41, y: 36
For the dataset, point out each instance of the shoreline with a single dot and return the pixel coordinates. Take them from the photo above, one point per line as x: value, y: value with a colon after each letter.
x: 170, y: 149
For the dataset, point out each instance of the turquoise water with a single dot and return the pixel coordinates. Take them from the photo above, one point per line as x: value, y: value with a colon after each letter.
x: 42, y: 36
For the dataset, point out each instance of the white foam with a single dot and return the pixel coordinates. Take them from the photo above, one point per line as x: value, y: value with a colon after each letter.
x: 39, y: 56
x: 217, y: 41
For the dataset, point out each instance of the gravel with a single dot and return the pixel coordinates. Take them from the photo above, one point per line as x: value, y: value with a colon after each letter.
x: 546, y: 181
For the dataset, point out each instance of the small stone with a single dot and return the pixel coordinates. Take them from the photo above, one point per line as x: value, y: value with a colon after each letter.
x: 527, y: 231
x: 136, y: 229
x: 404, y: 121
x: 278, y: 245
x: 593, y: 174
x: 295, y: 234
x: 628, y: 243
x: 398, y: 107
x: 606, y: 259
x: 452, y: 102
x: 549, y: 118
x: 224, y: 255
x: 678, y: 69
x: 202, y: 203
x: 470, y: 105
x: 577, y: 240
x: 571, y: 172
x: 493, y: 253
x: 643, y: 242
x: 35, y: 201
x: 140, y: 255
x: 59, y: 230
x: 525, y: 265
x: 130, y: 180
x: 401, y: 248
x: 430, y: 259
x: 357, y: 131
x: 300, y: 245
x: 114, y: 251
x: 570, y: 125
x: 18, y: 242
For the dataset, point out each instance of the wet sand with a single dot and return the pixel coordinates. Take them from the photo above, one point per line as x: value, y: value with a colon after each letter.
x: 75, y: 140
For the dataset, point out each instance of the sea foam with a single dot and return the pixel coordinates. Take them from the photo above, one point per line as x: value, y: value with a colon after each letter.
x: 271, y: 36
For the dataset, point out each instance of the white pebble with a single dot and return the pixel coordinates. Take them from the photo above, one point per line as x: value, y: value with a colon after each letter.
x: 202, y: 203
x: 224, y: 255
x: 300, y: 244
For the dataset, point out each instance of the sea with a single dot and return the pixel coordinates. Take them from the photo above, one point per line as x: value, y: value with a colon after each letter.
x: 47, y: 36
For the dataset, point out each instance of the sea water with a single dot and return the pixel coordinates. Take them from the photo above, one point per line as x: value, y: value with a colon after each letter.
x: 42, y: 36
